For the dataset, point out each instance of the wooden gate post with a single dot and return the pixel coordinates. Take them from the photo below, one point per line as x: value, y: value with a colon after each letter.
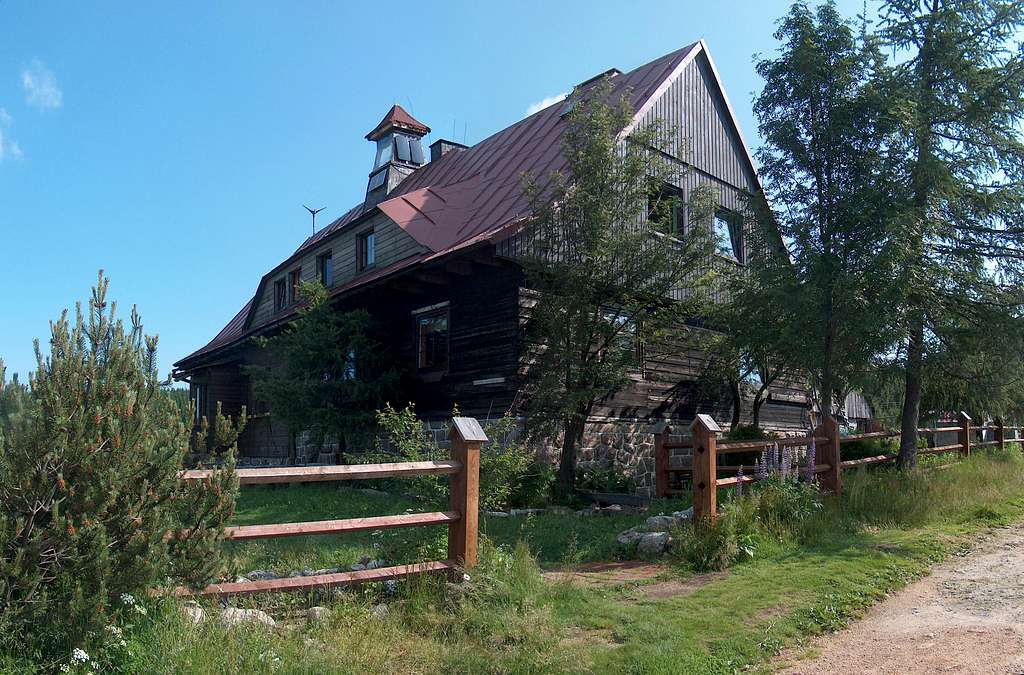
x: 965, y: 434
x: 705, y: 472
x: 828, y: 453
x: 465, y: 437
x: 661, y: 457
x: 1000, y: 433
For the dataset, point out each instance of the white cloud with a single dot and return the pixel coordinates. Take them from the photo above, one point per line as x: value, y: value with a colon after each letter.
x: 544, y: 103
x: 9, y: 149
x: 40, y: 85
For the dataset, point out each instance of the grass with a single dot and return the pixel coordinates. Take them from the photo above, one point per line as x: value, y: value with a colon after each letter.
x: 887, y: 530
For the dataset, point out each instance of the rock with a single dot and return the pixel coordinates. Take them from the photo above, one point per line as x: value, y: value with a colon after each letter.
x: 294, y: 573
x: 322, y: 572
x: 241, y: 580
x: 496, y: 514
x: 232, y: 616
x: 261, y: 575
x: 585, y: 513
x: 372, y: 492
x: 560, y: 510
x: 357, y: 567
x: 653, y: 543
x: 613, y: 509
x: 630, y: 537
x: 194, y: 613
x: 684, y: 515
x: 307, y: 572
x: 375, y: 564
x: 364, y: 560
x: 660, y: 523
x: 524, y: 512
x: 380, y: 611
x: 316, y: 614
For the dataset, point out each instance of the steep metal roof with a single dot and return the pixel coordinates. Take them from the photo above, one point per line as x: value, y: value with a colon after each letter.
x: 469, y: 195
x: 397, y: 118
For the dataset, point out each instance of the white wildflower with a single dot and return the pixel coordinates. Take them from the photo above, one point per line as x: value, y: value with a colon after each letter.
x: 78, y: 655
x: 127, y: 599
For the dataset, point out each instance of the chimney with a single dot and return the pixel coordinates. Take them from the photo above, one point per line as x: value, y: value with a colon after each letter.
x: 442, y: 147
x: 399, y: 152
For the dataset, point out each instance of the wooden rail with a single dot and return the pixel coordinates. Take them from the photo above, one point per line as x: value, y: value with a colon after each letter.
x: 463, y: 471
x: 828, y: 467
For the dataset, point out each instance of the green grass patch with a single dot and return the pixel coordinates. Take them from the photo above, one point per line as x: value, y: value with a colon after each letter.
x: 885, y: 532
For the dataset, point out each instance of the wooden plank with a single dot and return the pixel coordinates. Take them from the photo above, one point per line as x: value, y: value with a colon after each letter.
x: 748, y: 446
x: 937, y: 430
x: 955, y: 447
x: 873, y: 434
x: 311, y: 474
x: 246, y: 532
x: 317, y: 581
x: 865, y: 461
x: 733, y: 480
x: 983, y: 444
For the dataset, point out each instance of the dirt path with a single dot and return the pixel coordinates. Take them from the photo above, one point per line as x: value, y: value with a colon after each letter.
x: 967, y: 617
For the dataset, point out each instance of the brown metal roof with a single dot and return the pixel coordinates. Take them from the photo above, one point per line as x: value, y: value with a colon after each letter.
x: 466, y: 196
x: 399, y: 119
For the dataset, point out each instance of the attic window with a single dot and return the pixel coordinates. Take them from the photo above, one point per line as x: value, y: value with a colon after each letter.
x: 280, y: 295
x: 367, y: 251
x: 294, y: 281
x: 377, y: 179
x: 665, y: 209
x: 728, y: 231
x: 325, y: 269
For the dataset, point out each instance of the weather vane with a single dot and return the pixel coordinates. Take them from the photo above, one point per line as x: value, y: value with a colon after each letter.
x: 313, y: 213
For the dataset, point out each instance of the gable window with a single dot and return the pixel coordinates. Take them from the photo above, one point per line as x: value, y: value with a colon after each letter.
x: 367, y: 249
x: 325, y: 269
x: 294, y: 281
x: 280, y: 295
x: 665, y: 209
x: 728, y: 231
x: 432, y: 340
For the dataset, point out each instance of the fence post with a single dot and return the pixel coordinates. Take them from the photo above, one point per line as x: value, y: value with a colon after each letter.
x: 1000, y: 434
x: 828, y: 453
x: 661, y: 457
x: 465, y: 437
x: 705, y: 472
x: 965, y: 434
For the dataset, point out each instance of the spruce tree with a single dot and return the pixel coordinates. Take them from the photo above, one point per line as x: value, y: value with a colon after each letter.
x: 958, y: 94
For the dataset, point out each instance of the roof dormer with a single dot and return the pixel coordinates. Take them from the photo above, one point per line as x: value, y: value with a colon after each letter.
x: 399, y: 152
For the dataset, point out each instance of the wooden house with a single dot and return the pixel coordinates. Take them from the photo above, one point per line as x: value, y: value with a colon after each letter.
x: 431, y: 252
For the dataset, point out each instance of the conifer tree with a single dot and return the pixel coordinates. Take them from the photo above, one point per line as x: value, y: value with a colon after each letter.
x: 92, y: 505
x: 606, y: 272
x: 958, y: 94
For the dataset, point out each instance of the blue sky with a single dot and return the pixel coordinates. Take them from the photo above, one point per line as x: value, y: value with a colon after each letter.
x: 173, y: 144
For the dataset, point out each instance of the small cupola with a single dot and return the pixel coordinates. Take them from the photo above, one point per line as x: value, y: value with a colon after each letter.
x: 399, y: 152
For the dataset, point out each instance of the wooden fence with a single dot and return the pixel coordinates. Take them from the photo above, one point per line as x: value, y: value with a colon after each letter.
x: 462, y: 469
x: 829, y: 464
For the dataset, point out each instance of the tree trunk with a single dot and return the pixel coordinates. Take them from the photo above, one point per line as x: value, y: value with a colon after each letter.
x: 910, y: 418
x: 573, y: 432
x: 756, y: 410
x: 737, y: 405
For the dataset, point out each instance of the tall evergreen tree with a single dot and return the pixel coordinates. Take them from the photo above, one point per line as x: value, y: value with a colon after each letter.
x: 605, y: 272
x: 329, y: 373
x: 958, y: 94
x: 817, y: 293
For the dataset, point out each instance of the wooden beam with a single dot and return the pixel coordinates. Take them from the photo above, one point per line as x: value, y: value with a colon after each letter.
x: 317, y: 581
x: 246, y: 532
x: 312, y: 474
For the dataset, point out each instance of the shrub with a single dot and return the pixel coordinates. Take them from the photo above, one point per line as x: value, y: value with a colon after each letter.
x: 510, y: 473
x: 604, y: 478
x: 91, y: 503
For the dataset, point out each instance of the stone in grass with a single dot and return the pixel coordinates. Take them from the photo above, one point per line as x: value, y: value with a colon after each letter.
x: 372, y: 492
x: 262, y: 575
x: 380, y: 611
x: 684, y: 515
x: 317, y: 614
x: 560, y: 510
x: 524, y: 512
x: 496, y: 514
x: 232, y: 616
x: 630, y: 537
x: 194, y: 613
x: 653, y: 543
x: 659, y: 523
x: 241, y: 580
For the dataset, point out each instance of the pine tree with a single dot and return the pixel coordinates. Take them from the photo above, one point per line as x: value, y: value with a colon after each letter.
x: 958, y: 94
x: 329, y: 372
x: 604, y: 271
x: 816, y: 297
x: 91, y: 502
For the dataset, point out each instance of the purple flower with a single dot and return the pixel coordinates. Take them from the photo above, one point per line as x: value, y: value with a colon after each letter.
x: 739, y: 483
x: 787, y: 463
x: 812, y: 461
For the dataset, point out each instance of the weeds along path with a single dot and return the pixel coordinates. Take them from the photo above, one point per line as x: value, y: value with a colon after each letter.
x: 967, y: 617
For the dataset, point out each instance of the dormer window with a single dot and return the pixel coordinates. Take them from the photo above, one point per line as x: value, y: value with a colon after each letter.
x: 385, y: 151
x: 325, y: 269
